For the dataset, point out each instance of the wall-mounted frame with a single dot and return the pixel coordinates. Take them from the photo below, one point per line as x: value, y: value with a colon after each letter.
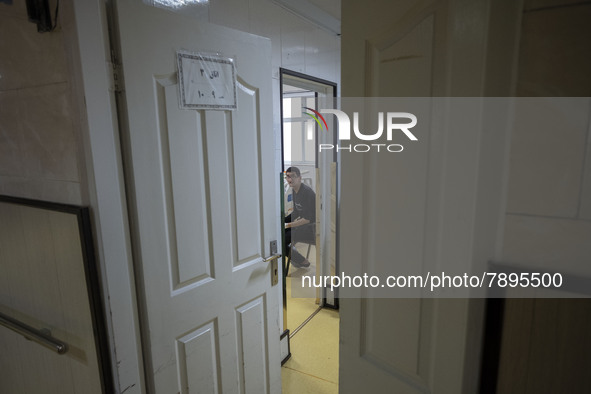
x: 50, y: 232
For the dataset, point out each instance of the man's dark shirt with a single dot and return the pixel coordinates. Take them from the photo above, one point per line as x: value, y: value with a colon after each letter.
x: 304, y: 206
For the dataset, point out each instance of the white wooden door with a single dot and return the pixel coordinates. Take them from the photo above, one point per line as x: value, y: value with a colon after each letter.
x: 205, y: 209
x: 436, y: 206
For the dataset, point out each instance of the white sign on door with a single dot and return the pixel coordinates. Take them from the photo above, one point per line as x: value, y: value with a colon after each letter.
x: 206, y: 81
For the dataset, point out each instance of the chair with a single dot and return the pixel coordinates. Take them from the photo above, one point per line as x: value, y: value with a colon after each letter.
x: 305, y: 237
x: 293, y: 245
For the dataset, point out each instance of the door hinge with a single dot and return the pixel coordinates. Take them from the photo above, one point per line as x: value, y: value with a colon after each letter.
x: 117, y: 78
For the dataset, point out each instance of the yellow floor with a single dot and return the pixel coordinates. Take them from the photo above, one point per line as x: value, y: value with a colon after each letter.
x: 298, y: 309
x: 314, y: 364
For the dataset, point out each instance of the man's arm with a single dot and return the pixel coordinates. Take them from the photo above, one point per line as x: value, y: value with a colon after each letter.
x: 297, y: 223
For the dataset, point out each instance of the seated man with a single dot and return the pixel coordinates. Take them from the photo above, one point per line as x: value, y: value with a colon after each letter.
x: 300, y: 224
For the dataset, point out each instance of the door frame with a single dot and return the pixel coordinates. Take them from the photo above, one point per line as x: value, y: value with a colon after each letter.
x: 106, y: 195
x: 334, y: 85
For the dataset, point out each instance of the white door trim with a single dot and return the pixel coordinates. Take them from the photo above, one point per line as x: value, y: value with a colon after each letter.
x: 106, y: 192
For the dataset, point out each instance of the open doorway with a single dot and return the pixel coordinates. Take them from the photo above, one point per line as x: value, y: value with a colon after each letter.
x: 310, y: 316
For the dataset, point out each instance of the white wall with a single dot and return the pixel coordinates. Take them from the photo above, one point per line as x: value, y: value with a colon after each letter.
x: 42, y: 123
x: 297, y: 44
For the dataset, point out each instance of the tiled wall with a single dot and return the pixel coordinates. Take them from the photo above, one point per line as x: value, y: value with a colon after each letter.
x: 549, y: 195
x: 39, y: 137
x: 297, y: 44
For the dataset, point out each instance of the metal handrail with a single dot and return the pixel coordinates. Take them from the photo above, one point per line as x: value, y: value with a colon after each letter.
x: 40, y: 336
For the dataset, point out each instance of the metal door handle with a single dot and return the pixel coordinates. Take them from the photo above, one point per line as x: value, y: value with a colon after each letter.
x: 274, y: 272
x: 39, y: 336
x: 271, y: 258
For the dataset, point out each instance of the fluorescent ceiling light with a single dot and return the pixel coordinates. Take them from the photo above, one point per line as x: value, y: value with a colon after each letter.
x: 175, y: 4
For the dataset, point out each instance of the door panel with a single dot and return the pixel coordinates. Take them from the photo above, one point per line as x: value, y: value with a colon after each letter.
x: 394, y: 348
x: 247, y: 175
x: 183, y: 174
x: 386, y: 344
x: 251, y: 339
x: 198, y: 358
x: 204, y: 209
